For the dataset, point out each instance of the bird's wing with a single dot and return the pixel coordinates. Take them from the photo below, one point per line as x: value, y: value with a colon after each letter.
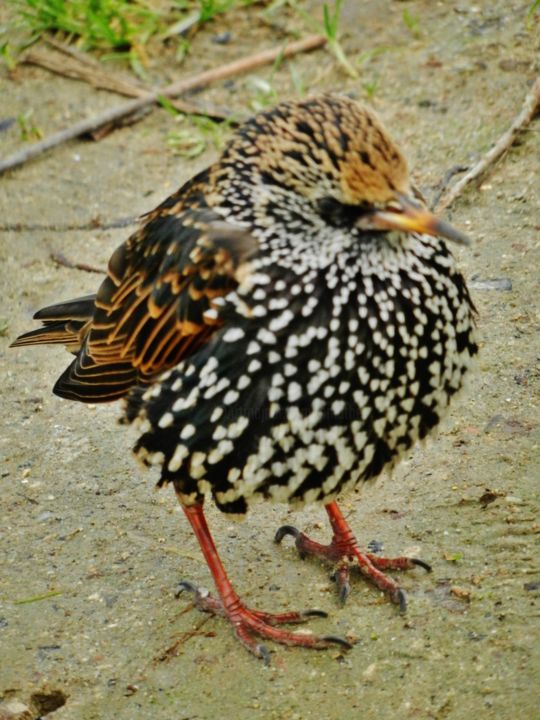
x: 156, y: 306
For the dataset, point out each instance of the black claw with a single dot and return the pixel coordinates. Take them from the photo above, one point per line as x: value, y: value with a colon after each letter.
x: 421, y: 564
x: 402, y: 600
x: 338, y: 640
x: 186, y: 585
x: 263, y: 653
x: 314, y: 613
x: 375, y: 546
x: 286, y: 530
x: 344, y: 591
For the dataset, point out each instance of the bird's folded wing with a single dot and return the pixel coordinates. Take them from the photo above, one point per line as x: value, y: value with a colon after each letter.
x: 156, y: 305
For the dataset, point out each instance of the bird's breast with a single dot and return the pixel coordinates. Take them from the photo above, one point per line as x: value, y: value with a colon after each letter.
x: 328, y: 376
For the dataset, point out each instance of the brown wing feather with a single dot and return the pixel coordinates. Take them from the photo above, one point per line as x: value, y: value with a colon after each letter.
x: 152, y: 309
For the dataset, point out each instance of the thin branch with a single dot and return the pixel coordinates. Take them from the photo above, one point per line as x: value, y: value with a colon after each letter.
x: 530, y: 107
x: 173, y: 90
x: 442, y: 186
x: 62, y: 260
x: 69, y: 62
x: 94, y: 224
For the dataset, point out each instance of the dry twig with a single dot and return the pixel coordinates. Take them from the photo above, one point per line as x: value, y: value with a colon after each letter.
x: 442, y: 186
x: 93, y: 224
x: 69, y: 62
x: 196, y: 81
x: 530, y: 107
x: 62, y: 260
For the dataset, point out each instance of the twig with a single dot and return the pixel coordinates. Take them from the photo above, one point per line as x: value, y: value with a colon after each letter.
x: 442, y: 186
x: 94, y: 224
x: 173, y: 650
x: 196, y: 81
x: 62, y: 260
x: 69, y: 62
x: 507, y: 139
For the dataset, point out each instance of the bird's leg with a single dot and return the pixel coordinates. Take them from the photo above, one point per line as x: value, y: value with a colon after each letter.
x: 247, y: 623
x: 343, y: 550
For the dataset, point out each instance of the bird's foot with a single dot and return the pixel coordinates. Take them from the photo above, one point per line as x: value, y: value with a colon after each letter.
x: 344, y: 552
x: 248, y: 623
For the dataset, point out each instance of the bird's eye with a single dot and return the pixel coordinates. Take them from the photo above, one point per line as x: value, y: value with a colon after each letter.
x: 340, y: 214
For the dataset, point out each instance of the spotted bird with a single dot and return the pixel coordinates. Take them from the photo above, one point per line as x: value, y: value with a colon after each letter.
x: 283, y: 327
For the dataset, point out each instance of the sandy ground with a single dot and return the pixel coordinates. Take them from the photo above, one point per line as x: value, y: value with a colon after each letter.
x: 90, y: 554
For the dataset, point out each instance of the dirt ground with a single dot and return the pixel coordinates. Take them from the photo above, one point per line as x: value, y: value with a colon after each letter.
x: 91, y: 555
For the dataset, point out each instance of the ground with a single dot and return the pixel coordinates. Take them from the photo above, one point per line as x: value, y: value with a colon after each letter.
x: 91, y: 554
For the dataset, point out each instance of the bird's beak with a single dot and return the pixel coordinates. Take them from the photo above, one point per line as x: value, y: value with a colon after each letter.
x: 409, y: 215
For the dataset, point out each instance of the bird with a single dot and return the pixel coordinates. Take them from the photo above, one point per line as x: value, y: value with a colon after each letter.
x: 284, y: 327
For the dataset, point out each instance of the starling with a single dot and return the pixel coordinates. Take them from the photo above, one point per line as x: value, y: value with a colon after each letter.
x: 283, y: 327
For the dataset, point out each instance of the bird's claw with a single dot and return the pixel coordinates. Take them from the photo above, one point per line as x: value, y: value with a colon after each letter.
x: 295, y: 533
x: 190, y: 587
x: 262, y: 652
x: 427, y: 567
x: 348, y: 555
x: 338, y: 640
x: 286, y: 530
x: 341, y: 577
x: 313, y: 612
x: 400, y: 598
x: 249, y: 623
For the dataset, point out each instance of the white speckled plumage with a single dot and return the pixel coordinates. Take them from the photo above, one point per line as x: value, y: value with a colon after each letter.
x: 295, y: 340
x: 350, y: 340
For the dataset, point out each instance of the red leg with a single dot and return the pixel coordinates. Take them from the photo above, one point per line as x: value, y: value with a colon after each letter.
x: 343, y: 550
x: 247, y: 623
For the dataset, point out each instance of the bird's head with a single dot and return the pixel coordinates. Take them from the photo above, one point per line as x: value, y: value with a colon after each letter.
x: 332, y: 156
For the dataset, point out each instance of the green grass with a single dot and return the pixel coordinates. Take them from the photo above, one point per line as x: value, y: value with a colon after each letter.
x: 7, y: 56
x: 121, y: 28
x: 370, y: 87
x: 208, y: 9
x: 412, y: 23
x: 531, y: 12
x: 330, y: 29
x: 103, y: 24
x: 197, y: 132
x: 28, y: 130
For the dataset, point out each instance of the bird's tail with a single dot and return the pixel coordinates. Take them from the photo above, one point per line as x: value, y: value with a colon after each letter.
x: 65, y: 323
x: 69, y: 323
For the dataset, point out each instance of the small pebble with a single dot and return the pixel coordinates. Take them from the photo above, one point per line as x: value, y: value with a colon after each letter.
x: 461, y: 593
x: 6, y: 123
x: 500, y: 284
x: 369, y: 672
x: 222, y: 38
x: 15, y: 710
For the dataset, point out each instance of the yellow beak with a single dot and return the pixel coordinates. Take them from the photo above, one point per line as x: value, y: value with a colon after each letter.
x: 410, y: 216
